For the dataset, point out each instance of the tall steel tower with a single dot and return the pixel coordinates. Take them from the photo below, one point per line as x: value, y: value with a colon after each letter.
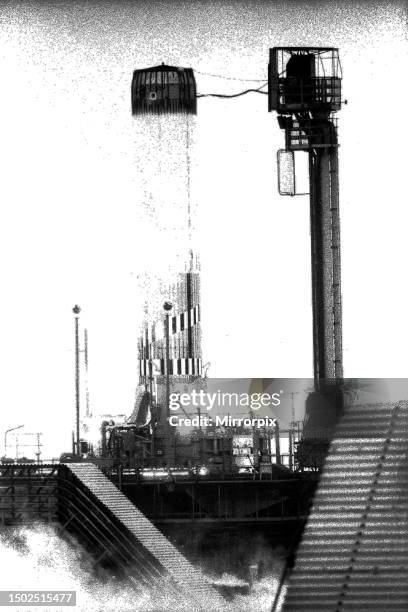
x: 305, y: 90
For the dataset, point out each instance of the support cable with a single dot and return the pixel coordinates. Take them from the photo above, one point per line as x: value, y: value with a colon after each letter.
x: 236, y: 95
x: 230, y: 78
x: 188, y: 165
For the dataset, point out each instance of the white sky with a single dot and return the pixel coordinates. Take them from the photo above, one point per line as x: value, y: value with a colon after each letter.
x: 72, y: 228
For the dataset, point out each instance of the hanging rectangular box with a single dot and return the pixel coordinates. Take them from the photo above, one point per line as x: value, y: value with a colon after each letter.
x: 287, y: 183
x: 286, y: 172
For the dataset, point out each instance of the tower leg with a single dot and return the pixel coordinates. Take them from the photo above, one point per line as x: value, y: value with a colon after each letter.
x: 324, y: 405
x: 326, y: 271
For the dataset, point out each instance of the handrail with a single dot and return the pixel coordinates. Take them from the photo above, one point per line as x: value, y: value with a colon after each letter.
x: 85, y: 499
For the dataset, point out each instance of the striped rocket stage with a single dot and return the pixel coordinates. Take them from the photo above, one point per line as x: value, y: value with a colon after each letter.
x: 184, y: 366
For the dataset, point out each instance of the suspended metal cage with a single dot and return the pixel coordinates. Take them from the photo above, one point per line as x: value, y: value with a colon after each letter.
x: 304, y: 79
x: 164, y: 89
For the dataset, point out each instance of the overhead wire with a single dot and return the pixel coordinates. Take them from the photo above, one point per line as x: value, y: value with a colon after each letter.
x: 229, y: 78
x: 236, y: 95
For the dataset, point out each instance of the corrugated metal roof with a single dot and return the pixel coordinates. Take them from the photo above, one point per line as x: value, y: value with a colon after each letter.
x: 354, y: 550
